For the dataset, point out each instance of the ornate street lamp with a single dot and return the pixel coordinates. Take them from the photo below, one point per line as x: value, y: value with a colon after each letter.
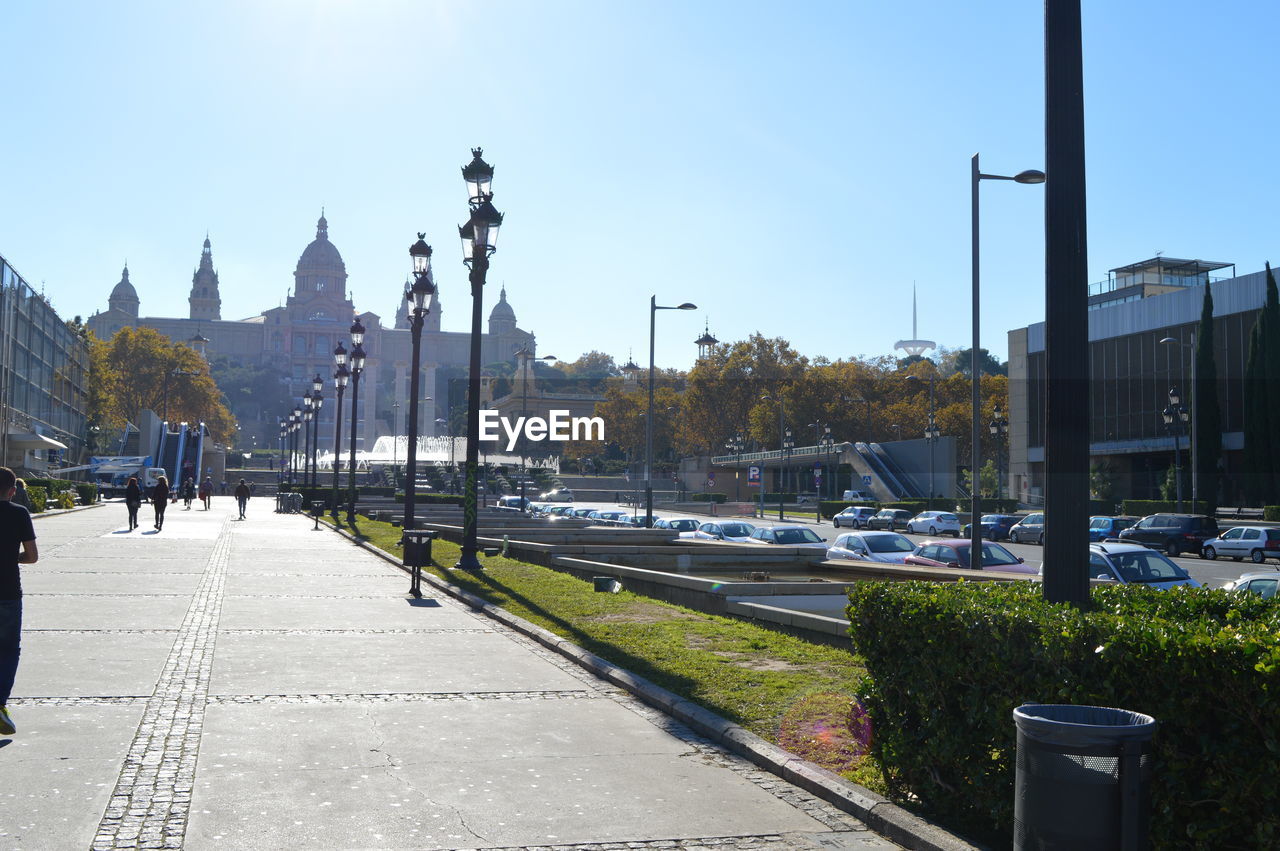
x: 999, y: 427
x: 317, y: 402
x: 419, y: 297
x: 308, y: 417
x: 735, y: 445
x: 340, y: 378
x: 280, y: 467
x: 1175, y: 420
x: 357, y: 368
x: 479, y: 240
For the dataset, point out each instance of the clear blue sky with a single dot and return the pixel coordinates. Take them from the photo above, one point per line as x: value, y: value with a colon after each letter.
x: 791, y: 168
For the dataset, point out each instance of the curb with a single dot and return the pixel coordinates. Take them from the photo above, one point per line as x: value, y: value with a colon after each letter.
x: 57, y: 512
x: 877, y: 812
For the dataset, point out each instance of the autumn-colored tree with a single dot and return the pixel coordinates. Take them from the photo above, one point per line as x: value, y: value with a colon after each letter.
x: 140, y: 368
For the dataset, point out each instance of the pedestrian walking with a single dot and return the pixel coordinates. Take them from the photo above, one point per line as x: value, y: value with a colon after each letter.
x: 133, y: 501
x: 17, y: 546
x: 225, y: 488
x: 206, y: 491
x: 242, y: 497
x: 160, y: 499
x: 20, y: 495
x: 188, y: 493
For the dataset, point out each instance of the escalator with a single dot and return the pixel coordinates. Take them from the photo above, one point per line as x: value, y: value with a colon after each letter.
x: 909, y: 484
x: 879, y: 471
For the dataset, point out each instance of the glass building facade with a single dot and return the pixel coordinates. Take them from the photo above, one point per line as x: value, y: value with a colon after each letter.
x: 44, y: 374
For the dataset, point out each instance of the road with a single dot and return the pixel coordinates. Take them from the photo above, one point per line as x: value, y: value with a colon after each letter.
x: 1211, y: 573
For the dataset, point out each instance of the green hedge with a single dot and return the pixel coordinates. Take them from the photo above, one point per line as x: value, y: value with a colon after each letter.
x: 1143, y: 507
x: 1271, y: 513
x: 51, y: 486
x: 38, y: 496
x: 435, y: 498
x: 779, y: 497
x: 88, y: 492
x: 948, y: 662
x: 709, y: 497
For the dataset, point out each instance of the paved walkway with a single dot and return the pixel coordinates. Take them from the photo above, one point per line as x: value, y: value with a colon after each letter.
x: 261, y: 685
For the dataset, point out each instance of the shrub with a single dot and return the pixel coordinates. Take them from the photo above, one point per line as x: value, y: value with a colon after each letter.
x: 708, y: 497
x: 948, y: 662
x: 1271, y: 513
x: 1143, y: 507
x: 64, y: 499
x: 435, y: 498
x: 88, y: 492
x: 51, y: 486
x: 38, y: 496
x: 779, y: 497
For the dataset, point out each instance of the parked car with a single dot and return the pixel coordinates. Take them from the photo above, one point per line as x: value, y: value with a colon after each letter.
x: 934, y: 523
x: 1262, y: 584
x: 855, y: 516
x: 517, y: 503
x: 1256, y: 543
x: 871, y: 546
x: 721, y: 530
x: 856, y: 496
x: 557, y: 495
x: 1173, y: 533
x: 1134, y: 564
x: 889, y: 518
x: 1101, y: 528
x: 788, y: 536
x: 580, y: 513
x: 1029, y: 529
x: 679, y: 524
x: 956, y: 554
x: 993, y: 527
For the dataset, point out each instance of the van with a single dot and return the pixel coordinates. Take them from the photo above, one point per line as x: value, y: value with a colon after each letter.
x: 856, y: 496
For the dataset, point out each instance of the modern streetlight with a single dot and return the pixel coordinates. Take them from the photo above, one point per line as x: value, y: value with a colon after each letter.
x: 357, y: 369
x: 525, y: 356
x: 479, y: 240
x: 1193, y: 437
x: 931, y: 435
x: 419, y: 296
x: 654, y: 307
x: 999, y: 427
x: 1030, y: 176
x: 1175, y: 419
x: 340, y: 377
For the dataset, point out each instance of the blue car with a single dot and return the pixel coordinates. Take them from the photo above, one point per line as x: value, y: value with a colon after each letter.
x: 1101, y: 528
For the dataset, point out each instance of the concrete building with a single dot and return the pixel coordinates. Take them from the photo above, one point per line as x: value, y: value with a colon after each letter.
x: 44, y: 370
x: 1131, y: 373
x: 298, y: 338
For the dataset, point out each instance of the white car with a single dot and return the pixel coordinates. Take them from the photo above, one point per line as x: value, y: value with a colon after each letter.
x: 855, y: 516
x: 788, y: 536
x: 677, y: 524
x: 1262, y: 584
x: 934, y: 523
x: 722, y: 530
x: 871, y: 546
x: 1256, y: 543
x: 557, y: 495
x: 1134, y: 564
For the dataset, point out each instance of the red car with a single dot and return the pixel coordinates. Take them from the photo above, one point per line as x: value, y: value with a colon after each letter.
x: 956, y: 554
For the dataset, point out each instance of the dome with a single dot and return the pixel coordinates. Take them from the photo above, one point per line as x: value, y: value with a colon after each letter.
x: 124, y: 290
x: 502, y: 310
x: 321, y: 255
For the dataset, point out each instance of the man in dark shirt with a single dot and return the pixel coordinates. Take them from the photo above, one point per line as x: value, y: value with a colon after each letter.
x: 17, y: 546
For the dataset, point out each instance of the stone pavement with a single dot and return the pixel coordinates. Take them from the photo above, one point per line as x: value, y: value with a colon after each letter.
x: 261, y: 685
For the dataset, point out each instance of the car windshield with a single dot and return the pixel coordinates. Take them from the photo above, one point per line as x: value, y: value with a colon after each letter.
x: 736, y: 530
x: 888, y: 544
x: 992, y: 554
x: 683, y: 525
x: 1095, y: 523
x: 1146, y: 566
x: 991, y: 518
x: 797, y: 536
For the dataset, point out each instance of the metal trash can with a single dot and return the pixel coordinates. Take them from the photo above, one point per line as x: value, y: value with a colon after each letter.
x: 1083, y: 778
x: 417, y: 547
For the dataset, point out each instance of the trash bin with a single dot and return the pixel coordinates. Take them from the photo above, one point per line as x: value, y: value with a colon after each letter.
x: 417, y: 547
x: 1083, y: 778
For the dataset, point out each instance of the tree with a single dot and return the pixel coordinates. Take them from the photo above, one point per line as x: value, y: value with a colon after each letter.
x: 1208, y: 417
x: 1102, y: 481
x: 988, y: 364
x: 141, y: 369
x: 251, y: 391
x: 1261, y: 412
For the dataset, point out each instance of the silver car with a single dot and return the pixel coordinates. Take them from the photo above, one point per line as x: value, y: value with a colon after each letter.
x: 871, y: 546
x: 1256, y: 543
x: 1262, y: 584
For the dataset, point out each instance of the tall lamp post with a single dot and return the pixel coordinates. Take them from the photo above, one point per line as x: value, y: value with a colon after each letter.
x: 308, y: 417
x: 999, y: 427
x: 295, y: 424
x: 280, y: 467
x: 783, y: 436
x: 1175, y: 420
x: 931, y: 435
x: 419, y: 296
x: 479, y: 240
x: 340, y: 377
x: 357, y: 369
x: 734, y: 445
x: 1030, y: 176
x: 526, y: 357
x: 317, y: 402
x: 828, y: 444
x: 654, y: 307
x: 1193, y: 438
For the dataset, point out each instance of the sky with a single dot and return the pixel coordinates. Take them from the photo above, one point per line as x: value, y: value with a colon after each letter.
x: 793, y: 169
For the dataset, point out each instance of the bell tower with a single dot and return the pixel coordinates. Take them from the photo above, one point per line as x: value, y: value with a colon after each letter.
x: 206, y: 303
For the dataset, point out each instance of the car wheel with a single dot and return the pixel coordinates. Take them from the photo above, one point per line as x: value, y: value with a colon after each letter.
x: 1172, y: 550
x: 835, y: 521
x: 857, y: 524
x: 933, y: 530
x: 1258, y: 556
x: 1040, y: 541
x: 1208, y: 552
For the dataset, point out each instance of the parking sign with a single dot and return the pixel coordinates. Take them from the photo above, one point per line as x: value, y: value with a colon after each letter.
x: 753, y: 476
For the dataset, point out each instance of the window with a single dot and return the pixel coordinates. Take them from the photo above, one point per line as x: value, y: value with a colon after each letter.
x: 1098, y: 568
x: 1264, y: 588
x: 1252, y: 534
x: 1232, y: 534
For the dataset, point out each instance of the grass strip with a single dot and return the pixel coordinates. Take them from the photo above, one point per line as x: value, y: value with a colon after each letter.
x: 789, y: 691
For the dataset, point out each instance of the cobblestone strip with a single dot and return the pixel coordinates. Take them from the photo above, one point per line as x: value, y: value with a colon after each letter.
x: 770, y: 841
x: 150, y: 804
x: 83, y: 700
x: 424, y: 631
